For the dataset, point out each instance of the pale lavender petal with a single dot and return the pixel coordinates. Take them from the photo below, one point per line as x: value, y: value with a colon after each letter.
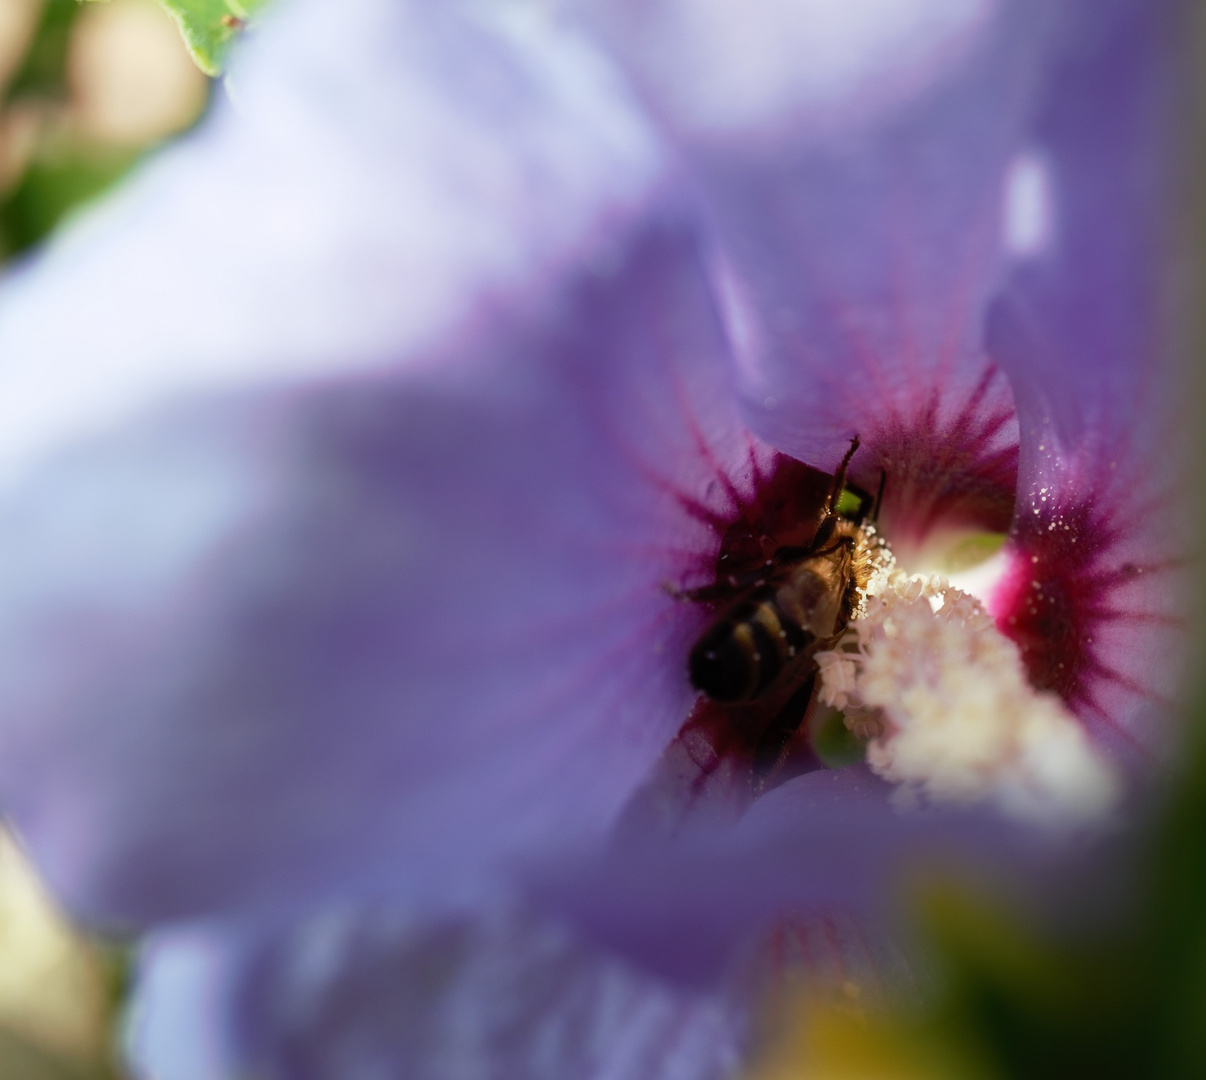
x: 383, y: 172
x: 177, y: 1025
x: 364, y: 993
x: 1097, y: 590
x: 284, y: 613
x: 856, y: 257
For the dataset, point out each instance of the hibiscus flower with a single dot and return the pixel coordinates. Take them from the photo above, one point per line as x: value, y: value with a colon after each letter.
x: 359, y: 454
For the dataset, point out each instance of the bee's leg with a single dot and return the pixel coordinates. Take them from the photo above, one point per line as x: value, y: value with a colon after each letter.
x: 841, y: 541
x: 775, y: 757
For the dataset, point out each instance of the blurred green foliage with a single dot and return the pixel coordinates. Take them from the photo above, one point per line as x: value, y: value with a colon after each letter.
x: 63, y: 171
x: 25, y: 1055
x: 67, y: 166
x: 43, y: 71
x: 1124, y: 998
x: 1119, y: 995
x: 23, y: 1059
x: 54, y: 185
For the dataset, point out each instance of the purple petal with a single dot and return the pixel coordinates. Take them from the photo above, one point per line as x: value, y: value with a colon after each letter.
x: 1095, y: 596
x: 819, y: 853
x: 804, y: 69
x: 856, y: 262
x: 369, y: 992
x: 812, y: 884
x: 286, y: 614
x: 364, y: 199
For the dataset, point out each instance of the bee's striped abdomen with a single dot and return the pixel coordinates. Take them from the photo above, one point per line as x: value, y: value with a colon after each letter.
x: 741, y: 655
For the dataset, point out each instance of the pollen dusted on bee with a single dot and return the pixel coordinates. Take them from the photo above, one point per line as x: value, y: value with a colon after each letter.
x: 941, y: 697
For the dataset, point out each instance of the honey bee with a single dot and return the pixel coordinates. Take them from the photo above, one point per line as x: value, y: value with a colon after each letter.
x: 795, y: 606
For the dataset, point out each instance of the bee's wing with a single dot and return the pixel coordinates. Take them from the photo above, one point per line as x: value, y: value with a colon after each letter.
x: 812, y: 594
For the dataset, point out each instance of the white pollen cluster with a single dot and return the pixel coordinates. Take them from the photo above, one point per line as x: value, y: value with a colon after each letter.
x: 942, y: 697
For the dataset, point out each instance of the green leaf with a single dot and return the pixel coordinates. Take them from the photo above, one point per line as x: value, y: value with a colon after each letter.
x: 210, y: 26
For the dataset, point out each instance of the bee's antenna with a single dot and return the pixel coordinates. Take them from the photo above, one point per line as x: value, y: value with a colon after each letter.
x: 839, y: 479
x: 879, y: 495
x: 829, y: 511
